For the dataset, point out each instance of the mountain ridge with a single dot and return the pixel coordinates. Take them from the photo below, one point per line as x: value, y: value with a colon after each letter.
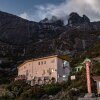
x: 21, y: 38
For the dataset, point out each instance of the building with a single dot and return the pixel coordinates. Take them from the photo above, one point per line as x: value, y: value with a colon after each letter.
x: 96, y: 59
x: 44, y: 70
x: 97, y: 80
x: 78, y: 68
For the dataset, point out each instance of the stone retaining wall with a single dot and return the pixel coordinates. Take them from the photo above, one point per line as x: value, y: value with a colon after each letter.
x: 98, y: 98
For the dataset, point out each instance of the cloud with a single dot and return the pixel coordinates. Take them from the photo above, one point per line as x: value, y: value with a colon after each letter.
x: 91, y: 8
x: 24, y: 15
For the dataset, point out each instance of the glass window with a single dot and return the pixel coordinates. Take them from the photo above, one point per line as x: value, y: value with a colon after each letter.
x: 44, y: 62
x: 66, y: 64
x: 38, y: 63
x: 99, y: 84
x: 43, y: 72
x: 78, y: 69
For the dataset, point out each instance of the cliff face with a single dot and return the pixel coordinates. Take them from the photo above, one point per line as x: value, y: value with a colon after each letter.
x: 75, y: 19
x: 15, y: 30
x: 23, y: 39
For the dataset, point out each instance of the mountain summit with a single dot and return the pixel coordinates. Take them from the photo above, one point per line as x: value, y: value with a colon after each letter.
x: 75, y: 19
x: 24, y: 37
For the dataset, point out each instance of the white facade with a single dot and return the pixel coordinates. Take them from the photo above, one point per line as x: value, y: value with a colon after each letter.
x: 46, y: 68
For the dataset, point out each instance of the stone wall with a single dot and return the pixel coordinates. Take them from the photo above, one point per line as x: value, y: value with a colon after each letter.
x: 98, y: 98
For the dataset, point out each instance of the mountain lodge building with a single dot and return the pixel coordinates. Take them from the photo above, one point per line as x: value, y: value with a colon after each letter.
x: 43, y: 70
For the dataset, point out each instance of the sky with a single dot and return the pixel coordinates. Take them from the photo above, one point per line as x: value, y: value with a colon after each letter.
x: 37, y: 10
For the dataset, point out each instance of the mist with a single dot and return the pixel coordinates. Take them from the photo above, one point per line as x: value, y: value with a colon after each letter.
x: 90, y: 8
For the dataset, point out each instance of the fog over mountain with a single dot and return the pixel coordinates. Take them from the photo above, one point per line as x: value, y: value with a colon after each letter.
x: 87, y: 7
x: 22, y: 39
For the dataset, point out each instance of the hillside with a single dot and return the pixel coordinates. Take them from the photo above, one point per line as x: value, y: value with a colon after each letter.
x: 21, y: 39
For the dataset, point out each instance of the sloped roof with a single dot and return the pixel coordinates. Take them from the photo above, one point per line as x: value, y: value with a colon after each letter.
x: 97, y: 58
x: 66, y: 57
x: 96, y: 78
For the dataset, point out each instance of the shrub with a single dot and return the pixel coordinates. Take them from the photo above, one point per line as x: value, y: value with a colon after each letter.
x: 7, y: 95
x: 17, y: 87
x: 33, y: 93
x: 52, y: 89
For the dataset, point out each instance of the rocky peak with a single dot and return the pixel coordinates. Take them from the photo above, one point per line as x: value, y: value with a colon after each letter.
x: 75, y: 19
x: 45, y: 20
x: 85, y: 19
x: 54, y: 21
x: 21, y: 39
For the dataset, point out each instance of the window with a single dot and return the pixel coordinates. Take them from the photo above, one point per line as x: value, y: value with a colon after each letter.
x: 52, y: 61
x: 43, y: 72
x: 66, y: 64
x: 24, y: 67
x: 27, y: 73
x: 36, y: 72
x: 52, y: 70
x: 41, y: 62
x: 44, y: 62
x: 78, y: 69
x: 38, y: 63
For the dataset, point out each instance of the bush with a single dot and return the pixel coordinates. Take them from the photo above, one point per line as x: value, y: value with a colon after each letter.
x: 35, y: 92
x: 7, y: 95
x: 52, y: 89
x: 17, y: 87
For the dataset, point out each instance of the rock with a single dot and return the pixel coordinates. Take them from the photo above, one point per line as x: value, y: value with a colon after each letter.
x: 53, y: 21
x: 85, y: 19
x: 75, y: 19
x: 44, y: 20
x: 21, y: 39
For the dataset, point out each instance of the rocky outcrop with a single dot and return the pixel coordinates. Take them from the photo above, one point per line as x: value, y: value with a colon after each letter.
x: 22, y: 39
x: 18, y: 31
x: 75, y: 19
x: 53, y: 21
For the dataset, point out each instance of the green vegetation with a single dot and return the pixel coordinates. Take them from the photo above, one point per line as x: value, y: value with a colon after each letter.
x: 20, y: 90
x: 91, y: 52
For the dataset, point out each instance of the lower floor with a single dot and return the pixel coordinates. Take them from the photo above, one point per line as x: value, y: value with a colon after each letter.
x: 42, y: 80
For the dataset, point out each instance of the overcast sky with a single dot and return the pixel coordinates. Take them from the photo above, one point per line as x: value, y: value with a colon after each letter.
x: 39, y: 9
